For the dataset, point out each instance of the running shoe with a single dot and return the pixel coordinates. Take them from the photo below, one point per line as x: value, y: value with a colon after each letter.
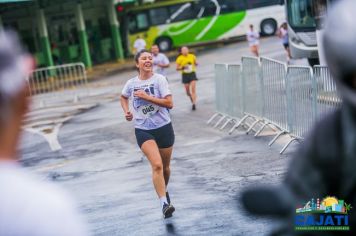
x: 168, y: 211
x: 193, y: 107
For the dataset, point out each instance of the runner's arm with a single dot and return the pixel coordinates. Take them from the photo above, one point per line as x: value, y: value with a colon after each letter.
x: 179, y: 67
x: 125, y: 107
x: 165, y: 63
x: 178, y: 63
x: 167, y: 101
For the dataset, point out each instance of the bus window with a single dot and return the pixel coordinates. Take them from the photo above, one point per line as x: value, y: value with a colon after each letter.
x: 301, y: 15
x: 181, y: 12
x: 232, y: 6
x: 209, y: 9
x: 138, y: 22
x: 261, y: 3
x: 159, y: 16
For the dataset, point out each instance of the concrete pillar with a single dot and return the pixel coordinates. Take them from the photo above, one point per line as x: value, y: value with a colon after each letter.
x: 83, y: 38
x: 116, y: 38
x: 45, y: 45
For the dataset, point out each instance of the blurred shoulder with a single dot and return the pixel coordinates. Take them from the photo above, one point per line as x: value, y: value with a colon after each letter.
x: 159, y: 77
x: 132, y: 80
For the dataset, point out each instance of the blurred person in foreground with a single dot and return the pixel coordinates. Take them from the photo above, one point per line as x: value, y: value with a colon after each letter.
x: 28, y: 205
x: 325, y: 163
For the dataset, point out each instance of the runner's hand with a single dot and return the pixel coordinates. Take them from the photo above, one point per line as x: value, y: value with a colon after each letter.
x: 141, y: 94
x: 128, y: 116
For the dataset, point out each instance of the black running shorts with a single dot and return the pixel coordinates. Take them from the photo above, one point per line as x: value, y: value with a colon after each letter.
x: 188, y: 77
x: 164, y: 136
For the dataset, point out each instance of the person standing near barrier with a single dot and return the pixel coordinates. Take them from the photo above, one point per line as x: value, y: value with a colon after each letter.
x: 151, y: 97
x: 253, y: 39
x: 283, y: 35
x: 186, y: 63
x: 160, y: 61
x: 325, y: 163
x: 28, y: 206
x: 139, y: 44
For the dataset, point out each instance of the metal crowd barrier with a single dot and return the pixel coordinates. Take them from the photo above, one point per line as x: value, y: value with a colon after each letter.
x: 64, y: 82
x: 220, y: 102
x: 301, y: 90
x: 290, y: 98
x: 327, y: 97
x: 274, y: 89
x: 236, y: 91
x: 251, y: 97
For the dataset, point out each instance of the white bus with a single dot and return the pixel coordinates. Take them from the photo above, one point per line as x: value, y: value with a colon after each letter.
x: 173, y: 23
x: 305, y: 19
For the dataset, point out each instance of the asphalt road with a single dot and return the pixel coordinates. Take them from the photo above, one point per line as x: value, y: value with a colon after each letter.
x: 104, y: 170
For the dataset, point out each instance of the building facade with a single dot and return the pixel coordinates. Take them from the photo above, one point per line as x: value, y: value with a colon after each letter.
x: 65, y: 31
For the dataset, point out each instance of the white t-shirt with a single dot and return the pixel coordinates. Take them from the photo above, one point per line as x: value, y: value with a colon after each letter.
x: 253, y: 38
x: 147, y: 115
x: 160, y: 59
x: 32, y: 207
x: 139, y: 44
x: 284, y: 35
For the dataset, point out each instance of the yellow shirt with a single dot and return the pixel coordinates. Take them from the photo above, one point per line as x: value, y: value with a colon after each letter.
x: 187, y: 62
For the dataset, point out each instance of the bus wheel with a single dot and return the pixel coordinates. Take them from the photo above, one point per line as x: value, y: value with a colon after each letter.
x: 164, y: 44
x: 268, y: 27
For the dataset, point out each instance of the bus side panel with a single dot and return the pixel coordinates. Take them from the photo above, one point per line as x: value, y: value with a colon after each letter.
x: 255, y: 17
x: 202, y: 30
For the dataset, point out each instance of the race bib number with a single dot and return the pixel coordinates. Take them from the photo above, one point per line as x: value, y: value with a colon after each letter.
x: 148, y: 110
x: 188, y: 69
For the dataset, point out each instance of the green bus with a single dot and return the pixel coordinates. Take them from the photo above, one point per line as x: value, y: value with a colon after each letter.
x: 173, y: 23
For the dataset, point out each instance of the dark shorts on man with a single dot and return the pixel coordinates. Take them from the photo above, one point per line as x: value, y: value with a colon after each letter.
x: 286, y: 45
x: 188, y: 77
x: 164, y: 136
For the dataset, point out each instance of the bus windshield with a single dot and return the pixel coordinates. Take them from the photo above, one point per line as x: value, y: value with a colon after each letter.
x: 300, y: 14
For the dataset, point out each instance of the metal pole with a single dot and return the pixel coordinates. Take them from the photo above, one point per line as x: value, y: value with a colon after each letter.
x: 116, y: 38
x: 42, y: 27
x: 83, y: 37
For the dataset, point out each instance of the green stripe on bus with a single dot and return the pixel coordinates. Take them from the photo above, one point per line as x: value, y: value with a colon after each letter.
x: 222, y: 25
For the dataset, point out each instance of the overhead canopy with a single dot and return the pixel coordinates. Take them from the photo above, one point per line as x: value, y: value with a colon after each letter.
x: 10, y: 1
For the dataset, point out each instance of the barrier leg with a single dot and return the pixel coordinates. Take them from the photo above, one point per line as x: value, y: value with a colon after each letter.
x: 286, y: 146
x: 260, y: 130
x: 238, y: 124
x: 212, y: 118
x: 221, y: 119
x: 227, y: 122
x: 276, y: 137
x: 252, y: 125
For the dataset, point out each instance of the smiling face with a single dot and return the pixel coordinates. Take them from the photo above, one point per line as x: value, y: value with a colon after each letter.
x: 145, y: 62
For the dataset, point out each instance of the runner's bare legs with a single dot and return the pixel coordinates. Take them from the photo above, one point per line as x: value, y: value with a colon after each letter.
x: 150, y: 149
x: 166, y: 154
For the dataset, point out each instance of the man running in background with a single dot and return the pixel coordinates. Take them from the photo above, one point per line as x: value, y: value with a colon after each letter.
x: 160, y: 61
